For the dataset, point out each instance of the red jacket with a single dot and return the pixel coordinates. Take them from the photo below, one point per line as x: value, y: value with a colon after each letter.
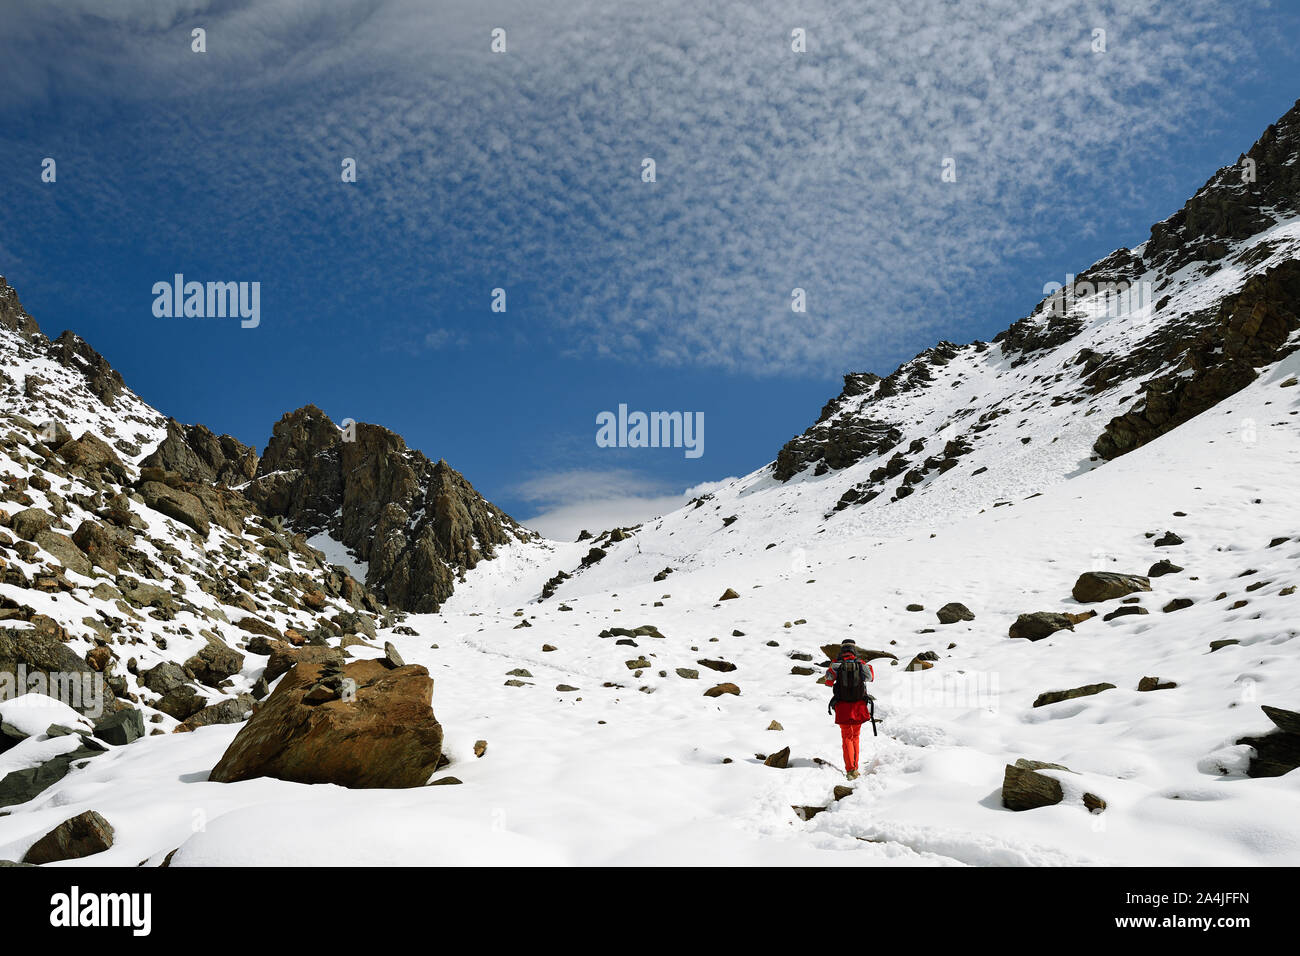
x: 850, y: 711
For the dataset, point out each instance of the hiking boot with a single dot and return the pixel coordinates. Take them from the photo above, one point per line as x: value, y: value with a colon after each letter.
x: 852, y: 775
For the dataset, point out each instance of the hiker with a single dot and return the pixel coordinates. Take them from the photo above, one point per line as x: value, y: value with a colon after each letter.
x: 848, y: 676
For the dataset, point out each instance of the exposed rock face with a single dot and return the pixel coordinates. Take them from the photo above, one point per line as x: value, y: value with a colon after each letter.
x: 12, y: 314
x: 384, y: 736
x: 195, y: 452
x: 1229, y: 207
x: 104, y: 381
x: 417, y: 523
x: 1252, y: 330
x: 838, y: 444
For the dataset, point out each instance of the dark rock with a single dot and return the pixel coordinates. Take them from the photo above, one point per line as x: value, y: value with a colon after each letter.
x: 164, y: 677
x: 954, y: 612
x: 68, y: 677
x: 385, y: 735
x: 780, y: 760
x: 1023, y: 788
x: 179, y: 505
x: 1250, y: 330
x: 720, y: 689
x: 1163, y: 567
x: 121, y: 728
x: 1168, y: 540
x: 1154, y: 683
x: 1093, y: 586
x: 1124, y: 611
x: 19, y: 786
x: 81, y: 836
x: 181, y: 702
x: 232, y: 710
x: 1056, y: 696
x: 1040, y: 624
x: 215, y: 663
x: 1287, y: 721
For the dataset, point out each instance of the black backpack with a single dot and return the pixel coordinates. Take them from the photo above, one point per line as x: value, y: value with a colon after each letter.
x: 850, y: 681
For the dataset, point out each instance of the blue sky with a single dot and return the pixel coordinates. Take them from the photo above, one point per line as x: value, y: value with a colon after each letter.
x: 522, y: 170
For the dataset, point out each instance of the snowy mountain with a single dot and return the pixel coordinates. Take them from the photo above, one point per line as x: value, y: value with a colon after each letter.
x: 1071, y: 553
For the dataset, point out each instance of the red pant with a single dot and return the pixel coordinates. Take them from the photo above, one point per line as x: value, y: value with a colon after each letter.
x: 849, y: 737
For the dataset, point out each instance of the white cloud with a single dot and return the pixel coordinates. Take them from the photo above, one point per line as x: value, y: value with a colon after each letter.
x: 596, y: 500
x: 775, y: 170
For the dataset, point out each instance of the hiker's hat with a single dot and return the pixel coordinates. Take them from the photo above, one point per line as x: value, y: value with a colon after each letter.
x: 847, y: 642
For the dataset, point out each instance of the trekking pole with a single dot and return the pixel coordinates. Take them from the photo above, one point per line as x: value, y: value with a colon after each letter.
x: 872, y: 711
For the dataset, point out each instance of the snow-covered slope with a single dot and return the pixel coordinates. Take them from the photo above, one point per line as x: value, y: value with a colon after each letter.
x: 630, y: 768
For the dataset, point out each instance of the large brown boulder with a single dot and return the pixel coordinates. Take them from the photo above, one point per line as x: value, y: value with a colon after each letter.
x: 94, y: 455
x: 180, y: 505
x: 1252, y: 328
x: 83, y: 835
x: 100, y: 543
x: 214, y: 663
x: 64, y: 550
x: 1094, y: 586
x: 382, y: 734
x: 30, y: 522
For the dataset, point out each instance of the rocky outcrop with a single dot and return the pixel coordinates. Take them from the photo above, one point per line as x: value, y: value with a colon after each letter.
x: 1233, y: 206
x: 1252, y: 329
x: 833, y: 445
x: 103, y: 380
x: 196, y: 453
x: 12, y: 314
x: 363, y: 725
x: 418, y: 524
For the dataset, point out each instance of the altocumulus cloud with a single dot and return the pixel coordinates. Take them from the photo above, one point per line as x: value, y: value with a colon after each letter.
x: 818, y: 170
